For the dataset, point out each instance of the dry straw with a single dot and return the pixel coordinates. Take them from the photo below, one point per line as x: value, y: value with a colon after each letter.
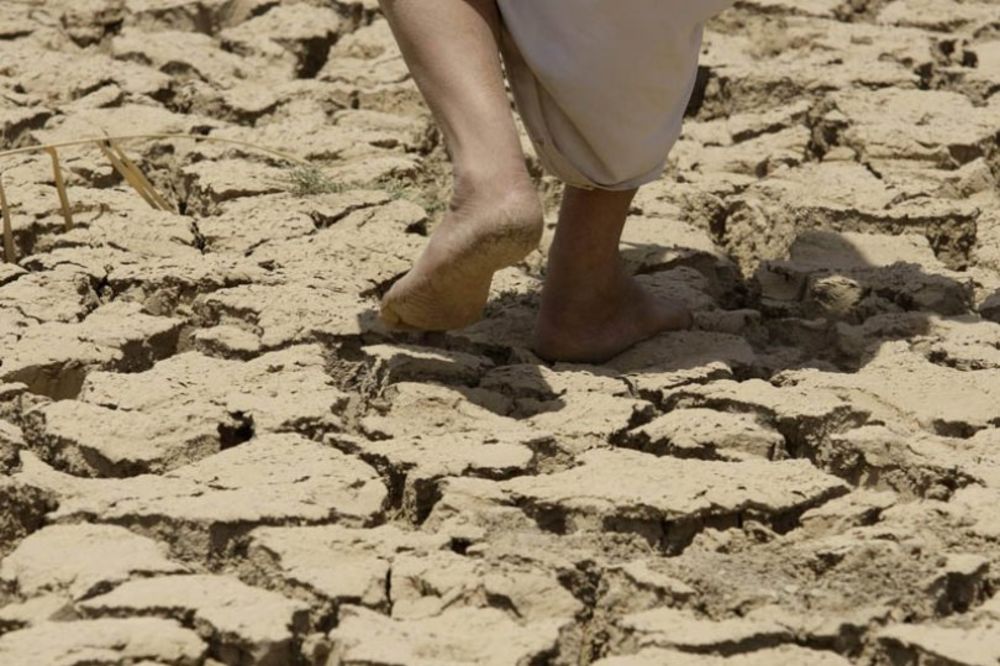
x: 132, y: 175
x: 110, y: 146
x: 60, y: 187
x: 8, y: 234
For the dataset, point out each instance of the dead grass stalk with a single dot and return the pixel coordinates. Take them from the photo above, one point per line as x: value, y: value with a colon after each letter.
x: 61, y: 188
x: 133, y: 175
x: 8, y: 232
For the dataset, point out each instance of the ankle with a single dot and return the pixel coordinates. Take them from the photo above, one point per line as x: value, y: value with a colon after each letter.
x: 508, y: 202
x: 565, y: 303
x: 605, y: 279
x: 492, y: 182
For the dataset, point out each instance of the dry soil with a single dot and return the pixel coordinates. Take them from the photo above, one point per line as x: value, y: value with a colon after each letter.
x: 211, y: 452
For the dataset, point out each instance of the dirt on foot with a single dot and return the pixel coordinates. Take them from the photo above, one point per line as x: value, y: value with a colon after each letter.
x: 212, y: 451
x: 594, y: 325
x: 449, y: 284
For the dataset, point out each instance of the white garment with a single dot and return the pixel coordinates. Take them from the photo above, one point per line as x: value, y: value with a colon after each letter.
x: 602, y: 85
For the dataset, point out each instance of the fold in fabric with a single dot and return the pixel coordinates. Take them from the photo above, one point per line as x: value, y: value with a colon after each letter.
x: 602, y: 85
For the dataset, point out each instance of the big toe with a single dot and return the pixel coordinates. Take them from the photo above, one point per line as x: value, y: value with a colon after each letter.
x: 392, y: 319
x: 394, y: 310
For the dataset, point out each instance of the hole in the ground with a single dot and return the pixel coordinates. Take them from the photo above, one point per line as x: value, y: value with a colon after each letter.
x: 317, y: 51
x: 237, y: 431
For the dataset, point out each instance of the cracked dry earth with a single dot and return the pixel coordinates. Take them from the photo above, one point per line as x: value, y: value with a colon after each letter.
x: 211, y: 453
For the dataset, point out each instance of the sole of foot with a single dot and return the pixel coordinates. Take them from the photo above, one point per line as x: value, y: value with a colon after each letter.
x: 449, y: 284
x: 578, y: 329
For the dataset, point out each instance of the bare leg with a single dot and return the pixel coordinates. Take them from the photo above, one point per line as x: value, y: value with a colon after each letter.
x: 495, y: 217
x: 592, y: 309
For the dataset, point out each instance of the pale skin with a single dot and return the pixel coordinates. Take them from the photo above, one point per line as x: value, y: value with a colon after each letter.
x: 592, y: 309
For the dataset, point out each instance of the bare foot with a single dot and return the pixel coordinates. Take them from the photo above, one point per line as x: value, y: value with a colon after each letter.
x: 593, y: 326
x: 487, y: 228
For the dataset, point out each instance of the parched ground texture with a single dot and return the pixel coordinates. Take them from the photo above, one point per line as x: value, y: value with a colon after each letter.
x: 211, y: 453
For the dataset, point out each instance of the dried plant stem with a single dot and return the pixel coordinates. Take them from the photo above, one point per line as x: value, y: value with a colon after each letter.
x: 60, y: 188
x: 149, y: 137
x: 140, y: 177
x: 8, y: 232
x: 127, y: 174
x: 110, y: 146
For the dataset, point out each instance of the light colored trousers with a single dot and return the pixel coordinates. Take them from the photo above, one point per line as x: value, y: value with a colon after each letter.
x: 602, y: 85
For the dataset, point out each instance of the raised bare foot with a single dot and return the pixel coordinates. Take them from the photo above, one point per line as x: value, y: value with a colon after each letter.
x: 487, y: 228
x: 585, y: 325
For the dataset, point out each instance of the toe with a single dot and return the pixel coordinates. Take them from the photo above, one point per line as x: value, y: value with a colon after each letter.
x: 388, y: 315
x: 393, y: 308
x: 389, y: 318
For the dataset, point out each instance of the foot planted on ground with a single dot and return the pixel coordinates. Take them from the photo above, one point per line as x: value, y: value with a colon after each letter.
x: 485, y: 230
x: 595, y: 325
